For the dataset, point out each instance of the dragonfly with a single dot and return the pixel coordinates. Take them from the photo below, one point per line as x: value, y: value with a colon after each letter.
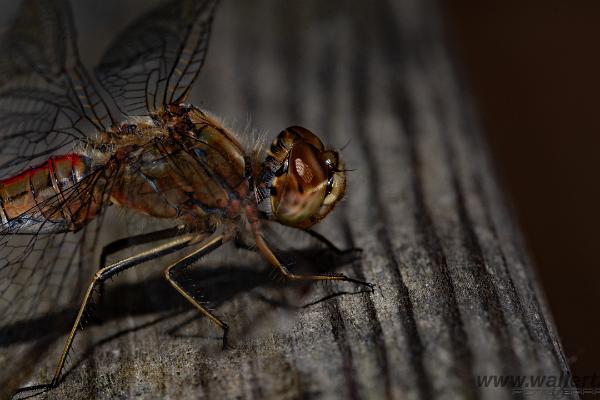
x: 74, y: 144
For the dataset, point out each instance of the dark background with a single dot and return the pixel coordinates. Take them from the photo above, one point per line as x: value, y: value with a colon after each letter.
x: 534, y: 69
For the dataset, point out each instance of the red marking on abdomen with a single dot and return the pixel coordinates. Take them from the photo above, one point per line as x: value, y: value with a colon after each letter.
x: 26, y: 194
x: 73, y: 159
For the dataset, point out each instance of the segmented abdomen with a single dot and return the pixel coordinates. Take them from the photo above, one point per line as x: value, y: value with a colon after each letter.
x: 43, y: 199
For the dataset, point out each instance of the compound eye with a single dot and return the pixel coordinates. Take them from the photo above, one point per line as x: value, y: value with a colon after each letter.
x: 307, y: 168
x: 301, y: 189
x: 306, y: 136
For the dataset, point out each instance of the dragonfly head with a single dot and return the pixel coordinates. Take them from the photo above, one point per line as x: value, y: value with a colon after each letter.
x: 303, y: 180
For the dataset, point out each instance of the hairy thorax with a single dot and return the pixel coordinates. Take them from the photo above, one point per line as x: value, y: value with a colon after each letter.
x: 179, y: 164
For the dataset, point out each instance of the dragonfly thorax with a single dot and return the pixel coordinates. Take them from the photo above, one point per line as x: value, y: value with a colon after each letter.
x: 183, y: 166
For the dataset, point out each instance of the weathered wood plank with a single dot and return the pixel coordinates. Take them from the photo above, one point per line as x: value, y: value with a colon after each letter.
x: 456, y: 295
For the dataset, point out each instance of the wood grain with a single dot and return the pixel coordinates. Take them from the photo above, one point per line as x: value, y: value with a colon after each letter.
x: 457, y: 296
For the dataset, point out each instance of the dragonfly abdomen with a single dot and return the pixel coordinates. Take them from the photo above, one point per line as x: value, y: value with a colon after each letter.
x: 44, y: 198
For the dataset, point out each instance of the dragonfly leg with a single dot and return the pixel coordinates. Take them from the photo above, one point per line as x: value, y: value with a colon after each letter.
x: 205, y: 248
x: 332, y: 276
x: 107, y: 272
x: 316, y: 235
x: 144, y: 238
x: 131, y: 241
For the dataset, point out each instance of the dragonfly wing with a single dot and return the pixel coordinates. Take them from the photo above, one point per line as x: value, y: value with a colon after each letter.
x: 47, y: 100
x: 155, y: 61
x: 35, y: 42
x: 43, y: 273
x: 41, y: 282
x: 43, y: 252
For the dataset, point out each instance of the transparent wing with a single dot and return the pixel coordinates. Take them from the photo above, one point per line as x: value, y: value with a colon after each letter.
x: 29, y: 259
x: 48, y: 104
x: 155, y: 61
x: 42, y: 275
x: 47, y: 100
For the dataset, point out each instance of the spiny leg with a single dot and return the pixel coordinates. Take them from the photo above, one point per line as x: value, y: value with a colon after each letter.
x: 205, y: 248
x: 144, y: 238
x: 240, y: 244
x: 102, y: 275
x: 131, y: 241
x: 272, y: 259
x: 316, y: 235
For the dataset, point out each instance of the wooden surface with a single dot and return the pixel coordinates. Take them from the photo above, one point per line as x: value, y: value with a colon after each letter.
x: 456, y: 294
